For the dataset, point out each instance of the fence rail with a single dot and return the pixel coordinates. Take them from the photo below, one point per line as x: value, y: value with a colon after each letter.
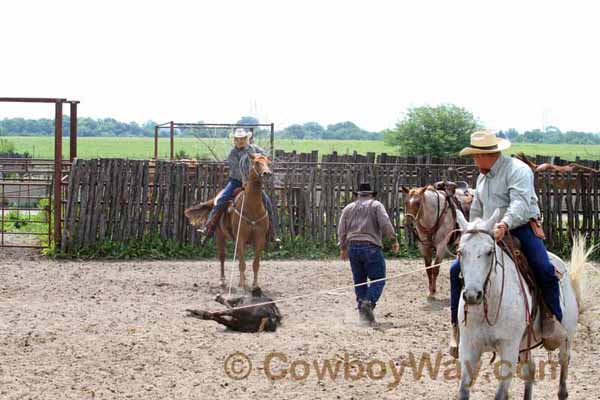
x: 384, y: 158
x: 122, y: 200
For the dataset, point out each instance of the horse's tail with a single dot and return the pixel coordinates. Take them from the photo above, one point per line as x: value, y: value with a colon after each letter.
x: 197, y: 214
x: 577, y: 270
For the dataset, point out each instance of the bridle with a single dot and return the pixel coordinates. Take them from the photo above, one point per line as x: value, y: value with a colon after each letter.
x: 252, y: 222
x: 494, y: 262
x: 429, y: 232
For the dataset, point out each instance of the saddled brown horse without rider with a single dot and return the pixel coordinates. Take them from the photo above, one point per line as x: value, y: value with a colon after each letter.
x: 431, y: 210
x: 246, y: 215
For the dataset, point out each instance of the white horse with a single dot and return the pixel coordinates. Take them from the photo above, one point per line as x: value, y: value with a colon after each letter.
x: 498, y: 301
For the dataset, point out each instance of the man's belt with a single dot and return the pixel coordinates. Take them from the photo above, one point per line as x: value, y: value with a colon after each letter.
x: 359, y: 242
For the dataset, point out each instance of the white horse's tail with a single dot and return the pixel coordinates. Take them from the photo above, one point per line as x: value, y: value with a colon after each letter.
x: 577, y: 270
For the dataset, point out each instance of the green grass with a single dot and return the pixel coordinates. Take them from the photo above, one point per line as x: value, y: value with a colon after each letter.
x: 143, y: 148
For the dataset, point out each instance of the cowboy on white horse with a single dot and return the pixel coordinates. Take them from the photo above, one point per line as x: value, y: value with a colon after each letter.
x: 507, y: 184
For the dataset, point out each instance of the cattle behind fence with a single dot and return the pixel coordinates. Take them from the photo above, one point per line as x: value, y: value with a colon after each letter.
x: 122, y: 200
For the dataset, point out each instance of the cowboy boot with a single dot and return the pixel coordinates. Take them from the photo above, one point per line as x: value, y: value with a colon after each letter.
x: 209, y: 227
x: 553, y: 332
x: 365, y: 310
x: 454, y: 341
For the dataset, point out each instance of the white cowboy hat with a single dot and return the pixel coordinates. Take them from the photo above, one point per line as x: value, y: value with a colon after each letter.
x: 242, y: 133
x: 485, y: 142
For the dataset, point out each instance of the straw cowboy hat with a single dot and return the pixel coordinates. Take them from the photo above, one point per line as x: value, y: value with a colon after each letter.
x: 242, y: 133
x: 364, y: 189
x: 485, y: 142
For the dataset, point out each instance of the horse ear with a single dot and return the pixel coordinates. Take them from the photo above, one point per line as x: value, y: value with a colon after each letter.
x: 494, y: 219
x: 461, y: 220
x: 450, y: 188
x: 405, y: 189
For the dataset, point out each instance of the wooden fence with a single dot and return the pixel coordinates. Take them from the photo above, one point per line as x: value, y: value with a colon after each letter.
x: 384, y: 158
x: 122, y: 200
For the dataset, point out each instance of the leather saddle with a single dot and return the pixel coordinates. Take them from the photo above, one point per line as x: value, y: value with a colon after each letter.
x: 459, y: 195
x: 199, y: 213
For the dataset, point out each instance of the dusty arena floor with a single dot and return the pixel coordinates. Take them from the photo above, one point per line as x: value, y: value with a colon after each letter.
x: 117, y: 330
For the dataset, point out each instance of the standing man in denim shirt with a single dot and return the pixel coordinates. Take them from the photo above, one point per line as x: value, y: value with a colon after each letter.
x: 361, y: 227
x: 236, y: 160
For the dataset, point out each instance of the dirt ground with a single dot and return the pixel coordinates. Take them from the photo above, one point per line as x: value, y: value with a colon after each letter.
x: 117, y: 330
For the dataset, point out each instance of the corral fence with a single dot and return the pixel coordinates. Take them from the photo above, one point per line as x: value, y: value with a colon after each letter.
x: 123, y: 200
x: 384, y: 158
x: 26, y: 200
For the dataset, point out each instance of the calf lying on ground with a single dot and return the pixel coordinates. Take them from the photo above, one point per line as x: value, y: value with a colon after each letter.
x: 265, y: 317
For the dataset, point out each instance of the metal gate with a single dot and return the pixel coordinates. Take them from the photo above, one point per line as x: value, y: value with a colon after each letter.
x: 26, y: 190
x: 32, y: 190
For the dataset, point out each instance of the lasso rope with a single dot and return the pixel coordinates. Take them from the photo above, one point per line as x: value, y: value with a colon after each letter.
x: 327, y: 291
x: 237, y: 237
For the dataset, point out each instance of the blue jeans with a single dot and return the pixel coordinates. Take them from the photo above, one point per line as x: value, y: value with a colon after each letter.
x: 367, y: 262
x: 534, y: 250
x: 227, y: 195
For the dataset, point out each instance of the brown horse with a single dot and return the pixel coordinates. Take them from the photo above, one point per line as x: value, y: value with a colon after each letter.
x: 246, y: 219
x: 432, y: 213
x: 547, y: 167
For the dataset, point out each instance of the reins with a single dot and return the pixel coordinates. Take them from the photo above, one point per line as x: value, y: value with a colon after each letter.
x: 494, y: 262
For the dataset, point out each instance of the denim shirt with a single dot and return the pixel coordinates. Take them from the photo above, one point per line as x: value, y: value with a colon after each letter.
x: 235, y: 171
x: 509, y: 186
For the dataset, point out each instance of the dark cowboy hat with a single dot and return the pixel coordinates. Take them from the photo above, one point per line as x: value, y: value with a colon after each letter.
x: 363, y: 189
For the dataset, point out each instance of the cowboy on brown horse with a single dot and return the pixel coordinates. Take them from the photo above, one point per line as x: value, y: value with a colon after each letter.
x: 238, y: 170
x: 245, y: 222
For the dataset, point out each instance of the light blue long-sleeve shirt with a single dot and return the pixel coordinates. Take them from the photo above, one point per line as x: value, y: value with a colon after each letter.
x: 509, y: 186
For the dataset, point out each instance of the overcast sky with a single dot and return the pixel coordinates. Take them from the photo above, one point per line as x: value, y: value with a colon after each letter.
x: 510, y: 62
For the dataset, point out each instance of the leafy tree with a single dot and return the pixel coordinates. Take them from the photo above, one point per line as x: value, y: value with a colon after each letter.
x: 295, y: 131
x: 340, y: 131
x: 313, y: 130
x: 440, y: 131
x: 512, y: 134
x: 248, y: 120
x: 534, y: 136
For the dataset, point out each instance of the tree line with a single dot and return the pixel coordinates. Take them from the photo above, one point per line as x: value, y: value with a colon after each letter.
x: 432, y: 130
x: 111, y: 127
x: 551, y: 135
x: 445, y: 129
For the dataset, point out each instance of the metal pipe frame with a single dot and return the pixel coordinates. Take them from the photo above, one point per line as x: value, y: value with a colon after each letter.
x: 55, y: 197
x: 172, y: 125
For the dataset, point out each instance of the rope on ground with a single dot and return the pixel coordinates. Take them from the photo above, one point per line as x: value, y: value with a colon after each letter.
x: 287, y: 299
